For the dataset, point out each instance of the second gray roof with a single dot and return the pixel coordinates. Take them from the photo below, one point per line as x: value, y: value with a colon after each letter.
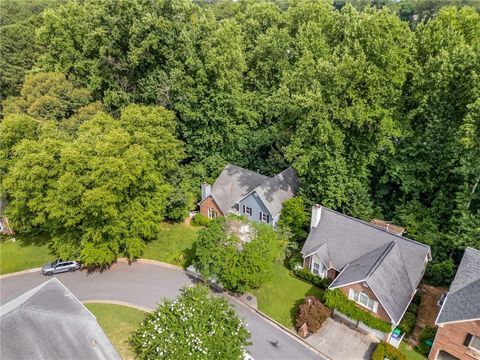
x: 463, y: 299
x: 234, y: 183
x: 391, y: 265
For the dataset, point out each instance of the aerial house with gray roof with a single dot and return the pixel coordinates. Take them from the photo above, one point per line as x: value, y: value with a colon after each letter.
x: 378, y: 269
x: 49, y: 322
x: 458, y: 334
x: 248, y: 193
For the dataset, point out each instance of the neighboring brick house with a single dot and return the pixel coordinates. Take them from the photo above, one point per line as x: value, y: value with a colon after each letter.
x: 377, y: 269
x: 244, y: 192
x: 458, y: 334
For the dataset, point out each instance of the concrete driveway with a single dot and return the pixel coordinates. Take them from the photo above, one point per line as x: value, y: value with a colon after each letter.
x: 144, y: 285
x: 339, y: 341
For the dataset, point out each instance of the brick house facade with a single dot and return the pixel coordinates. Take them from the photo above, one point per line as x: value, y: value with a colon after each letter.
x: 458, y: 334
x: 379, y: 309
x: 455, y: 339
x: 208, y: 207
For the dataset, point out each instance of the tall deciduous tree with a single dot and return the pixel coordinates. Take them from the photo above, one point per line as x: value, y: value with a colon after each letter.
x: 238, y: 261
x: 99, y: 192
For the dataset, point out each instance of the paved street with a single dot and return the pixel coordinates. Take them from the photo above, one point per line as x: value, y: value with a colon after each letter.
x: 144, y: 285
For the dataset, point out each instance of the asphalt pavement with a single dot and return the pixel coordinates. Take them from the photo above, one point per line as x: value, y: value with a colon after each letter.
x: 144, y: 285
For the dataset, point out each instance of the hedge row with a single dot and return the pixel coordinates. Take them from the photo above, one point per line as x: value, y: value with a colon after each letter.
x: 313, y: 279
x: 335, y: 299
x: 385, y: 350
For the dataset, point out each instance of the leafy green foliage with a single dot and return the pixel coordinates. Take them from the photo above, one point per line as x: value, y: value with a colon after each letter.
x: 440, y: 273
x: 376, y: 116
x: 408, y: 323
x: 99, y: 192
x: 14, y: 11
x: 237, y: 264
x: 335, y: 299
x: 295, y: 218
x: 48, y: 96
x: 425, y: 340
x: 200, y: 220
x: 313, y: 313
x: 306, y: 275
x: 196, y: 325
x: 384, y: 350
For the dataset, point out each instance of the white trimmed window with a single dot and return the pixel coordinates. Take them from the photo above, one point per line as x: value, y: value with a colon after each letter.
x: 264, y: 217
x: 474, y: 343
x: 363, y: 299
x: 316, y: 268
x: 247, y: 210
x: 212, y: 214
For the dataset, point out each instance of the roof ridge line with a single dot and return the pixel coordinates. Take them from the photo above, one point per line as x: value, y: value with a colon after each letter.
x: 376, y: 228
x: 380, y: 259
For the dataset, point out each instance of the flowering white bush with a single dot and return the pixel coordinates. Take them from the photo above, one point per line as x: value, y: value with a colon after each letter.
x: 195, y: 326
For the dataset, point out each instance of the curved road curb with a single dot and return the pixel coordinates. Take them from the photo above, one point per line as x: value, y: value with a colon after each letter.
x: 20, y: 272
x: 122, y: 303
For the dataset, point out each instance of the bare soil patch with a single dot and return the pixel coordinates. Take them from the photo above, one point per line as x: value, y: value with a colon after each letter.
x: 429, y: 309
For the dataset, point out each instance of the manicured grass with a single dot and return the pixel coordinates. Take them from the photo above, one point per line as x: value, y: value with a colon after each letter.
x: 280, y: 297
x: 24, y: 253
x: 118, y: 322
x: 411, y: 354
x: 173, y: 244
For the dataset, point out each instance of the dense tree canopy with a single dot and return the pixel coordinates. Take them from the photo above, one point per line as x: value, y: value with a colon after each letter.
x: 237, y: 254
x: 99, y: 192
x: 196, y: 325
x: 376, y: 107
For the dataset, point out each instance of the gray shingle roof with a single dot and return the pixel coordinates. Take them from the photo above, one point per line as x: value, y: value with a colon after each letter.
x: 278, y: 189
x: 391, y: 264
x: 48, y: 322
x: 463, y: 299
x: 234, y: 183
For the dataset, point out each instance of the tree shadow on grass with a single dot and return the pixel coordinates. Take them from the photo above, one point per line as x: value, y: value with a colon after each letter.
x: 32, y: 239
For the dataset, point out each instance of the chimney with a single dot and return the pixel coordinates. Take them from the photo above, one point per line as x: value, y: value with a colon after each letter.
x: 205, y: 190
x: 316, y: 215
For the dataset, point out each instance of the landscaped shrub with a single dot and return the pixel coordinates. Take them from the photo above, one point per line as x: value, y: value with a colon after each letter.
x: 440, y: 273
x: 408, y: 322
x: 417, y: 298
x: 425, y: 340
x: 385, y: 350
x: 295, y: 262
x: 335, y: 299
x: 413, y: 308
x: 306, y: 275
x: 313, y: 313
x: 200, y: 220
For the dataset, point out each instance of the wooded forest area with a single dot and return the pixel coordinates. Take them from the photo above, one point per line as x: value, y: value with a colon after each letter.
x: 115, y: 111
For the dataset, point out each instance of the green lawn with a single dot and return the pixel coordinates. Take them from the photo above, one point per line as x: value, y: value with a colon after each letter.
x: 280, y: 297
x: 24, y: 253
x: 411, y: 354
x: 173, y: 244
x: 118, y: 322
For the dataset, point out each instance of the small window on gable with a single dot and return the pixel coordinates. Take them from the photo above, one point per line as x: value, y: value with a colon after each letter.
x: 212, y: 214
x: 247, y: 210
x: 264, y: 217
